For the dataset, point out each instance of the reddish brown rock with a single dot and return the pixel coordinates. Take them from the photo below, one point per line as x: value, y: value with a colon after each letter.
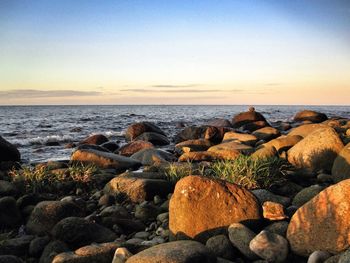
x: 273, y: 211
x: 309, y: 115
x: 306, y: 129
x: 245, y: 138
x: 229, y: 147
x: 284, y: 143
x: 199, y: 156
x: 267, y: 133
x: 247, y: 117
x: 316, y: 151
x: 193, y: 145
x: 96, y: 139
x: 136, y: 129
x: 215, y: 204
x: 323, y: 222
x: 133, y: 147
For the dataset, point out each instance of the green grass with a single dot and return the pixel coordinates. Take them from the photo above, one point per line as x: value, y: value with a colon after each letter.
x: 41, y: 178
x: 245, y: 171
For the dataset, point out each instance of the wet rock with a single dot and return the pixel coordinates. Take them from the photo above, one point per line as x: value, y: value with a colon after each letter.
x: 270, y: 246
x: 134, y: 147
x: 154, y: 138
x: 221, y: 246
x: 306, y: 194
x: 8, y: 152
x: 136, y: 129
x: 240, y: 237
x: 152, y: 156
x: 341, y: 165
x: 47, y: 213
x: 216, y: 203
x: 175, y: 252
x: 105, y: 160
x: 317, y: 151
x: 267, y: 133
x: 96, y: 139
x: 327, y: 215
x: 309, y: 115
x: 10, y: 215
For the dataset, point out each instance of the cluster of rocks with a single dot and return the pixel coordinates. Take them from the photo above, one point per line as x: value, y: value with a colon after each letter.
x: 138, y: 215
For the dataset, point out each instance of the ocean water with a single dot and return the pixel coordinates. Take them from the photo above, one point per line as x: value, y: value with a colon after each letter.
x: 33, y: 128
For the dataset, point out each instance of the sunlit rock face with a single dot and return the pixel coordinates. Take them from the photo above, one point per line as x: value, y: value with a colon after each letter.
x: 323, y: 222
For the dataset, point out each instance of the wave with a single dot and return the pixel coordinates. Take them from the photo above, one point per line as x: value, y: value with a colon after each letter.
x: 42, y: 140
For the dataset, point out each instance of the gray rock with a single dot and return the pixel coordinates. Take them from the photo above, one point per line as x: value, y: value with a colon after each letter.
x: 10, y: 259
x: 152, y: 156
x: 345, y: 257
x: 7, y: 189
x: 15, y: 246
x: 279, y: 228
x: 306, y: 194
x: 154, y: 138
x: 240, y: 237
x: 37, y: 245
x: 146, y: 212
x: 318, y: 257
x: 270, y: 246
x: 264, y: 195
x: 51, y: 250
x: 221, y: 246
x: 10, y: 215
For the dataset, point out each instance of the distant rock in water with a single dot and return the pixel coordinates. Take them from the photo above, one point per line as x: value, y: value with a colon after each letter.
x: 247, y: 117
x: 96, y: 139
x: 8, y: 152
x: 309, y: 115
x: 136, y: 129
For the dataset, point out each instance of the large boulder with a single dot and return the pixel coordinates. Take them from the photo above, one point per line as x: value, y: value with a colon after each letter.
x: 309, y: 115
x: 229, y: 147
x: 105, y: 160
x: 7, y: 189
x: 247, y: 117
x: 139, y: 187
x: 203, y: 156
x: 190, y: 133
x: 96, y: 139
x: 8, y: 152
x: 78, y: 232
x: 133, y: 147
x: 306, y: 129
x: 317, y: 151
x: 193, y: 145
x: 216, y: 204
x: 219, y: 123
x: 341, y: 165
x: 184, y: 251
x: 154, y: 138
x: 152, y: 156
x: 267, y: 133
x: 283, y: 143
x: 10, y: 215
x: 323, y: 222
x: 245, y: 138
x: 136, y: 129
x: 47, y: 213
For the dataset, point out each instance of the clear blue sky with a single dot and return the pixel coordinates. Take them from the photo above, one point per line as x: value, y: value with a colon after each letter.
x: 175, y: 52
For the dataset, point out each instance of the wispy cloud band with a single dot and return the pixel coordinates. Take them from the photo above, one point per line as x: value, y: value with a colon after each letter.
x: 32, y: 93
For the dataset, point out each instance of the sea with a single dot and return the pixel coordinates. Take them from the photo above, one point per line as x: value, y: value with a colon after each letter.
x: 41, y: 132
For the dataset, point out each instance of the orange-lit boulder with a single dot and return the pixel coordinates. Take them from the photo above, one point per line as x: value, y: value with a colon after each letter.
x: 323, y: 223
x: 245, y: 138
x: 306, y: 129
x: 133, y: 147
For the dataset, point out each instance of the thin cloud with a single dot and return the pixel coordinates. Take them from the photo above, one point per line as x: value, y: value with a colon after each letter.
x: 141, y: 90
x: 31, y: 93
x: 273, y: 84
x: 174, y: 86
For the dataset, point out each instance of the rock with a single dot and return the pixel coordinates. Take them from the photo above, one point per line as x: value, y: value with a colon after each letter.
x: 175, y: 252
x: 323, y: 178
x: 287, y: 188
x: 341, y: 165
x: 245, y: 138
x: 10, y: 259
x: 10, y: 215
x: 317, y: 151
x: 111, y: 146
x: 115, y: 211
x: 15, y: 246
x: 326, y: 215
x: 138, y: 189
x: 318, y: 257
x: 344, y: 257
x: 121, y: 255
x: 193, y: 146
x: 105, y: 160
x: 7, y: 189
x: 246, y: 117
x: 92, y: 147
x: 190, y: 133
x: 134, y: 147
x: 220, y: 246
x: 101, y: 253
x: 253, y: 126
x: 47, y: 213
x: 240, y: 237
x: 273, y: 211
x: 309, y: 115
x: 153, y: 156
x: 96, y: 139
x: 279, y: 228
x: 146, y: 212
x: 203, y: 156
x: 227, y: 148
x: 136, y: 129
x: 333, y: 259
x: 264, y: 195
x: 270, y: 246
x: 267, y: 133
x: 8, y: 152
x: 37, y: 245
x: 283, y: 143
x: 265, y: 153
x: 215, y: 134
x: 51, y: 250
x: 219, y: 123
x: 154, y: 138
x: 216, y: 204
x: 306, y: 129
x: 306, y: 194
x: 77, y: 232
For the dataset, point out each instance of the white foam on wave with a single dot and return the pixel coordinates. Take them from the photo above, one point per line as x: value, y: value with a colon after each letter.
x: 42, y: 140
x: 110, y: 133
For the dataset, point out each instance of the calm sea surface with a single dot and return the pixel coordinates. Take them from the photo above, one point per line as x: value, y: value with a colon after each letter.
x: 32, y: 128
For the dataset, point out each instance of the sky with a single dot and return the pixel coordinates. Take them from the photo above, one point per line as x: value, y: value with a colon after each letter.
x: 228, y: 52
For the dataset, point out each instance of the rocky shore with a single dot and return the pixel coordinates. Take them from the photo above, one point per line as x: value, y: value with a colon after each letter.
x: 240, y: 190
